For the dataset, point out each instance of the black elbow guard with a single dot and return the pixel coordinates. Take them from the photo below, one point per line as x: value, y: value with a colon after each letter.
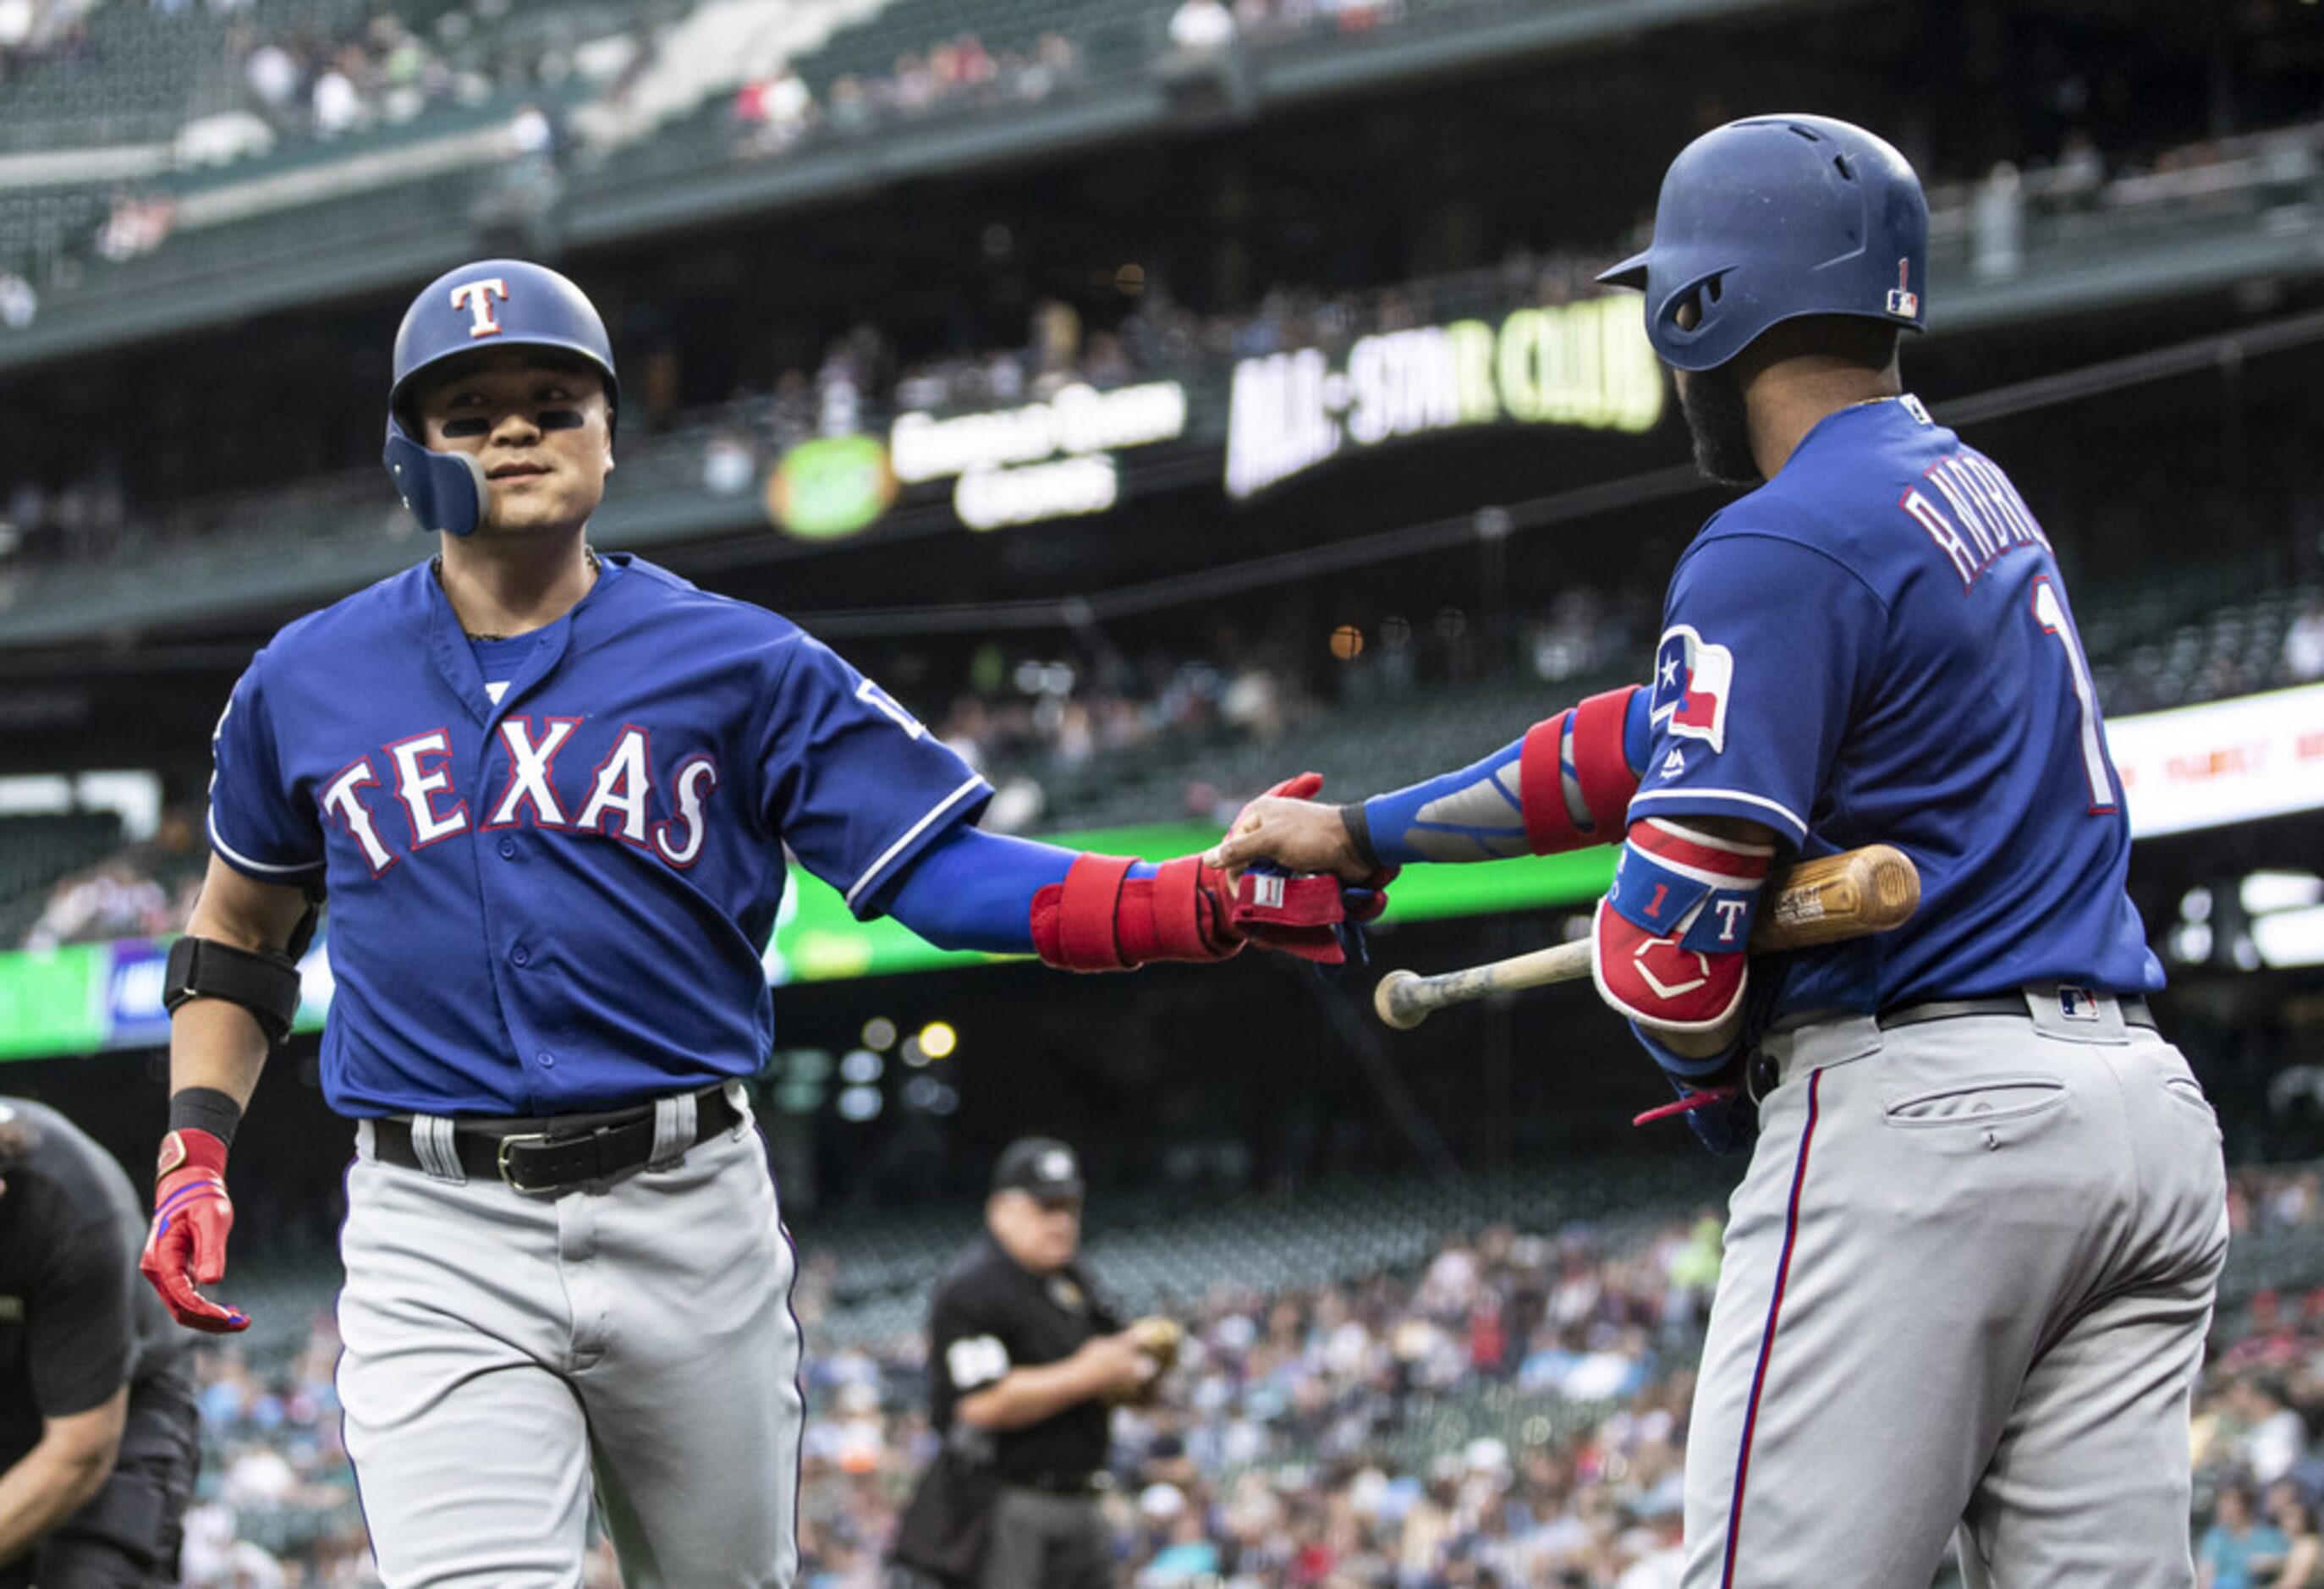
x: 267, y: 986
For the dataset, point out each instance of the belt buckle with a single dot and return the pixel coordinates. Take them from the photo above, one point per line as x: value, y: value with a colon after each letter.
x: 500, y: 1160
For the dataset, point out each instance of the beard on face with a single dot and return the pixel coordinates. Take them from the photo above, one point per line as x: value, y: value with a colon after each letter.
x: 1720, y: 427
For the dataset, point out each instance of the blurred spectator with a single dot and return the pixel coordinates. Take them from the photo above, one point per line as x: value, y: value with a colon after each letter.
x: 1998, y: 219
x: 774, y: 112
x: 2303, y: 644
x: 113, y: 900
x: 2275, y: 1437
x: 273, y: 76
x: 2294, y: 1517
x: 1202, y: 27
x: 336, y: 106
x: 2237, y: 1552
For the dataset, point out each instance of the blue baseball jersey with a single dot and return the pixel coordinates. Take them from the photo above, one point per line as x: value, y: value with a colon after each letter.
x: 1876, y: 647
x: 554, y: 896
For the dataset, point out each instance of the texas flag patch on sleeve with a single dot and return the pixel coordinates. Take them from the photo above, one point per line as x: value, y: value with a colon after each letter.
x: 1693, y: 681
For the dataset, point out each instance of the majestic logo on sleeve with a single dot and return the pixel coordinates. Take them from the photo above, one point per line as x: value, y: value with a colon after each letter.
x: 1693, y: 681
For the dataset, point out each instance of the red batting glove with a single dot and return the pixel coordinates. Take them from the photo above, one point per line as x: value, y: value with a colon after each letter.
x: 1315, y: 917
x: 1299, y: 786
x: 186, y: 1248
x: 1312, y: 915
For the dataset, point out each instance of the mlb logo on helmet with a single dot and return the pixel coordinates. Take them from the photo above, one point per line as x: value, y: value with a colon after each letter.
x: 1693, y: 681
x: 1903, y: 302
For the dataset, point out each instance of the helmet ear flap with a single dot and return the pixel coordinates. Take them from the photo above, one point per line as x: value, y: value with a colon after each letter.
x: 1687, y: 310
x: 445, y: 490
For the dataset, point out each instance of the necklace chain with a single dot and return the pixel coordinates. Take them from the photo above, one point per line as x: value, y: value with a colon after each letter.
x: 436, y: 567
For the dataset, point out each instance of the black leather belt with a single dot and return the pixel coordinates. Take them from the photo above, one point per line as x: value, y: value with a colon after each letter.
x: 2135, y: 1011
x: 1763, y: 1074
x: 545, y: 1156
x: 1052, y: 1482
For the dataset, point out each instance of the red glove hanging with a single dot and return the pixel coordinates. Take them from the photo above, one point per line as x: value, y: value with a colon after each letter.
x: 186, y: 1248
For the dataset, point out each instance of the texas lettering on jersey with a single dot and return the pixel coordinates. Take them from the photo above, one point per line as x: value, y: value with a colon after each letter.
x: 617, y: 799
x: 556, y: 896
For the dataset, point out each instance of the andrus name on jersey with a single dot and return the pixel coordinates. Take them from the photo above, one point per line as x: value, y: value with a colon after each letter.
x: 621, y: 794
x: 1980, y: 516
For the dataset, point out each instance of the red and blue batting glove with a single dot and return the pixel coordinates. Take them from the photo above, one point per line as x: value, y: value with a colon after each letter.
x: 186, y: 1248
x: 1103, y: 919
x: 1315, y: 917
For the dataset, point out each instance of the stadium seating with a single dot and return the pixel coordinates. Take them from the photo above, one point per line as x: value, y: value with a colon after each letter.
x: 1107, y: 32
x: 2178, y: 641
x: 35, y: 852
x: 1154, y: 1252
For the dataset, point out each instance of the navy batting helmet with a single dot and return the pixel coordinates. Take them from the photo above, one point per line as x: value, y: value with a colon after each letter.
x: 1773, y: 218
x: 492, y: 303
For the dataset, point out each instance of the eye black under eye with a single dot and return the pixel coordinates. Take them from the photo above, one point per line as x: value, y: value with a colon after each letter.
x: 455, y: 428
x: 559, y: 418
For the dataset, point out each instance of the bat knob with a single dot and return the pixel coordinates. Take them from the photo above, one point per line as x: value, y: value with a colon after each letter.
x: 1393, y: 1000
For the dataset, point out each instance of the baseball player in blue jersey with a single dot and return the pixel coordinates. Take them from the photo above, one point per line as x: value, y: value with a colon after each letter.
x: 1970, y: 1267
x: 548, y: 794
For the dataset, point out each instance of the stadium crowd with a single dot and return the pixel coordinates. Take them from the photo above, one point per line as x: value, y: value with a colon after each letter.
x: 1512, y: 1412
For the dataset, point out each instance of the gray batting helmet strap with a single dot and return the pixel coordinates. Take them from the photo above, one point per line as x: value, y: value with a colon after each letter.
x: 1773, y: 217
x: 489, y: 304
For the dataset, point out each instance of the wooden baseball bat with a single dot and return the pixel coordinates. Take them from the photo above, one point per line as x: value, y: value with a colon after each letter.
x: 1819, y: 901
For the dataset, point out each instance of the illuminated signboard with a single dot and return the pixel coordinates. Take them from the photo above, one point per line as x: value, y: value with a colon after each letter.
x: 1046, y: 460
x: 2231, y: 760
x: 831, y: 488
x: 1585, y: 364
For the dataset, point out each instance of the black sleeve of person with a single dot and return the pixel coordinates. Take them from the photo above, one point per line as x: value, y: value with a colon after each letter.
x: 267, y: 986
x: 80, y: 1341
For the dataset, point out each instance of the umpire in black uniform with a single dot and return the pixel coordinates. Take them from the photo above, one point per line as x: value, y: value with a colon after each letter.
x: 1024, y: 1363
x: 99, y: 1432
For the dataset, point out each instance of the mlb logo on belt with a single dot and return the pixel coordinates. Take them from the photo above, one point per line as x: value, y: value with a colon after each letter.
x: 2077, y: 1003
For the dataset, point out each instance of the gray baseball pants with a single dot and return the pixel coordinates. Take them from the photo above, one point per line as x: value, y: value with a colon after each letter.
x: 1967, y: 1283
x: 1044, y: 1541
x: 503, y: 1350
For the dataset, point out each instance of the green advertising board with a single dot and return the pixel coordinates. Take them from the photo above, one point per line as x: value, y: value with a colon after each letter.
x: 85, y: 998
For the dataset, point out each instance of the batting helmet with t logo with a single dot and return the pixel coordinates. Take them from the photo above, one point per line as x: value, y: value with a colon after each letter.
x: 492, y: 303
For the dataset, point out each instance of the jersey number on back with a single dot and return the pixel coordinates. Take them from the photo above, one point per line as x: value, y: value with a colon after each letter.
x: 2050, y: 613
